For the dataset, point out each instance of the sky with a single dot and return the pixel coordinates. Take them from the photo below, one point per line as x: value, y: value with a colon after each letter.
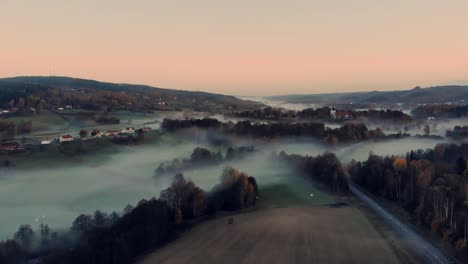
x: 242, y: 47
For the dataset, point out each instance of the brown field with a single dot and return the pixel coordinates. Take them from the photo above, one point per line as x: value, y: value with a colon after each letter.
x: 312, y: 234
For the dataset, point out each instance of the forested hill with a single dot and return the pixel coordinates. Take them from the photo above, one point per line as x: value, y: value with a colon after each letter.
x: 65, y: 90
x: 418, y: 95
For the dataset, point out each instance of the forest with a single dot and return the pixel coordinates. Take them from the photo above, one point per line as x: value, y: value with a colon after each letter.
x: 55, y: 92
x: 441, y: 110
x: 349, y: 132
x: 121, y: 237
x: 323, y: 114
x: 430, y: 185
x: 458, y: 132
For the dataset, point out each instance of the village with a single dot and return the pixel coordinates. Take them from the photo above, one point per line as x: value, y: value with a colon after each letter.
x: 16, y: 146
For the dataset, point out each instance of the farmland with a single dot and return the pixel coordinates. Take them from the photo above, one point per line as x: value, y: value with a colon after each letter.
x: 311, y: 234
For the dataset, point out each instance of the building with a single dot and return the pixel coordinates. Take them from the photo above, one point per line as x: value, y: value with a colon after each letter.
x: 146, y: 129
x: 128, y: 130
x: 343, y: 115
x: 46, y: 142
x: 12, y: 146
x: 65, y: 138
x: 112, y: 132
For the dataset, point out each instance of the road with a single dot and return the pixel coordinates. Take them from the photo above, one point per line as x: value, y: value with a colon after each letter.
x: 427, y: 250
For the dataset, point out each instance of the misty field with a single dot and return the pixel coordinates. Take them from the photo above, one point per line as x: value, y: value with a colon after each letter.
x: 50, y: 188
x: 311, y: 234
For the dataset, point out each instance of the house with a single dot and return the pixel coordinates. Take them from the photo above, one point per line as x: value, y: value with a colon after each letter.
x: 9, y: 146
x: 343, y: 115
x: 68, y: 107
x: 146, y: 129
x: 46, y: 142
x: 65, y: 138
x: 128, y: 130
x: 12, y: 146
x: 112, y: 132
x: 60, y: 108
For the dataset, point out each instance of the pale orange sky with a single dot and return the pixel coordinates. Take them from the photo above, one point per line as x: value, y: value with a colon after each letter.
x: 251, y: 47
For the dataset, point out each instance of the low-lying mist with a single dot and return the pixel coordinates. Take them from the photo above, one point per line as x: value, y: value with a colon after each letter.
x: 56, y: 196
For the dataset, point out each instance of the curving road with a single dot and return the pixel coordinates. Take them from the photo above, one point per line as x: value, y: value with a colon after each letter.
x: 430, y: 252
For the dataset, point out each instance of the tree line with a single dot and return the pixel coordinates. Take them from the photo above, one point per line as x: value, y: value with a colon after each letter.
x: 349, y: 132
x: 9, y: 129
x: 431, y: 186
x: 441, y: 110
x: 56, y: 92
x: 322, y: 114
x: 325, y: 169
x: 122, y: 237
x: 458, y: 132
x: 202, y: 157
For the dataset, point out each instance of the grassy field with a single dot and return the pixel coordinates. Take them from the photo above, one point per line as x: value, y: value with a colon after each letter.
x: 47, y: 120
x: 311, y: 234
x: 293, y: 193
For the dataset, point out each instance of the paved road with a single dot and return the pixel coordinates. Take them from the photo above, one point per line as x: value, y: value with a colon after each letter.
x: 430, y: 252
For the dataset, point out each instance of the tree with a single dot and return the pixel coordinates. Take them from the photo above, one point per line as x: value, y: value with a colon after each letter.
x: 460, y: 165
x: 128, y: 209
x: 11, y: 104
x: 25, y: 236
x: 10, y: 252
x: 20, y: 104
x: 237, y: 190
x: 82, y: 223
x: 100, y: 218
x: 45, y: 235
x: 427, y: 130
x: 83, y: 133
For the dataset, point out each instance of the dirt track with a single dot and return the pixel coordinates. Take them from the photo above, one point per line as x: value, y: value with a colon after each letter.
x: 312, y: 234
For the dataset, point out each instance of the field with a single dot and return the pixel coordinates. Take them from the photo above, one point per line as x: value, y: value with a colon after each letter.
x: 311, y: 234
x: 47, y: 120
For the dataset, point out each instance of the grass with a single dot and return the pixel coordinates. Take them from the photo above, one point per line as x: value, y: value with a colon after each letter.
x: 43, y: 121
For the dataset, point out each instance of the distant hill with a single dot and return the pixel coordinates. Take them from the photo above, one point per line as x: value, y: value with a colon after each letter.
x: 67, y: 90
x: 418, y: 95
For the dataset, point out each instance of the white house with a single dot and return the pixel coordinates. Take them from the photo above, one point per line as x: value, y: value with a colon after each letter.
x: 128, y: 130
x: 46, y: 142
x: 112, y: 133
